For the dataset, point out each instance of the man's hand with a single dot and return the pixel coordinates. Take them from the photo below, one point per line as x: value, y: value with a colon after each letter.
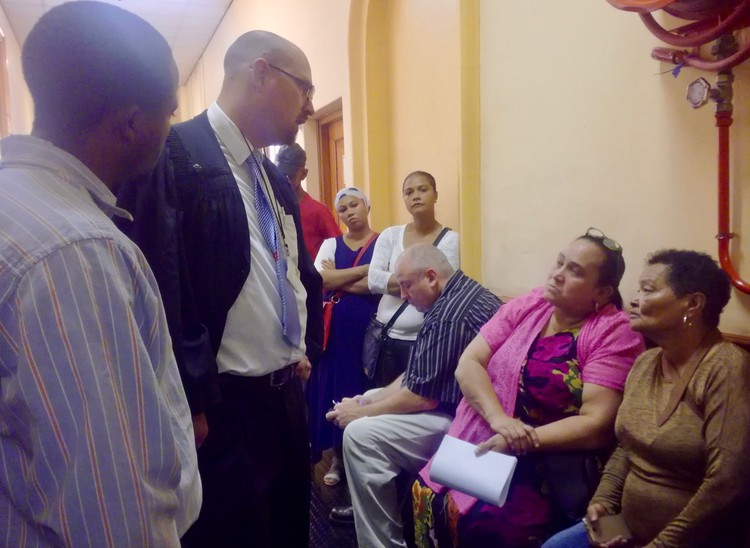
x: 520, y: 437
x: 345, y: 412
x: 200, y: 429
x: 303, y: 369
x: 328, y: 264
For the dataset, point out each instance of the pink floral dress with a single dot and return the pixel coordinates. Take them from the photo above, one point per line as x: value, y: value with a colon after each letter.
x: 550, y: 388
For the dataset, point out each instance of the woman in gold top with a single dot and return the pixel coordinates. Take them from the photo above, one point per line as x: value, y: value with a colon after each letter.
x: 679, y: 476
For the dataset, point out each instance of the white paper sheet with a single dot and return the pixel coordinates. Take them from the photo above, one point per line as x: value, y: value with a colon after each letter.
x: 487, y: 477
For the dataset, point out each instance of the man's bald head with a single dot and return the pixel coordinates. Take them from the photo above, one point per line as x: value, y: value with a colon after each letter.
x: 420, y: 257
x: 261, y: 44
x: 267, y: 89
x: 422, y: 272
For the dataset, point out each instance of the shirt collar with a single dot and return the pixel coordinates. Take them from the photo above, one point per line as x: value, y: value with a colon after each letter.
x: 449, y: 285
x: 29, y: 151
x: 228, y: 133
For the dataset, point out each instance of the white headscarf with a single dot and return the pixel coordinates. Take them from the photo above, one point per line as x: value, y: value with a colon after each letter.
x: 350, y: 191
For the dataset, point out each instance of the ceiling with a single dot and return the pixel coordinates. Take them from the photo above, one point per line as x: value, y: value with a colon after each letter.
x: 188, y: 25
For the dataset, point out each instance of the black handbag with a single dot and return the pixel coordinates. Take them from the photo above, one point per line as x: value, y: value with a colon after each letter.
x: 376, y: 336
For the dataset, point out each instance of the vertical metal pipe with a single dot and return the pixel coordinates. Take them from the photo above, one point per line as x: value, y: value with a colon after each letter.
x: 723, y: 123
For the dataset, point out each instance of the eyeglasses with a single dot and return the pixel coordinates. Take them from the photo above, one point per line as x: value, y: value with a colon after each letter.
x: 609, y: 243
x: 307, y: 88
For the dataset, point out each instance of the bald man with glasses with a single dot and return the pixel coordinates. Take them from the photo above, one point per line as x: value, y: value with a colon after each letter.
x: 243, y: 298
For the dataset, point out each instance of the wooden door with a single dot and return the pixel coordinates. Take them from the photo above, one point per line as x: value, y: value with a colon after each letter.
x: 331, y: 158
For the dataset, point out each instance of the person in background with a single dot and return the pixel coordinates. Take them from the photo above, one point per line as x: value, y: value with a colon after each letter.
x: 245, y: 298
x: 317, y: 222
x: 339, y: 374
x: 544, y: 375
x: 392, y: 431
x: 679, y: 474
x: 97, y: 443
x: 420, y: 196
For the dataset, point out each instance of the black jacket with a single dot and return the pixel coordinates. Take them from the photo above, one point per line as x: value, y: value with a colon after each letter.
x: 190, y: 222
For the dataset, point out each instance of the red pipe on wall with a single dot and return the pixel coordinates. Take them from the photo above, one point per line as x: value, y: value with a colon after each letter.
x: 683, y: 57
x: 724, y: 122
x: 700, y: 38
x: 694, y: 36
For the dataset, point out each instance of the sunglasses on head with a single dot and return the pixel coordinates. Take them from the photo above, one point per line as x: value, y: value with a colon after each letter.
x: 609, y: 243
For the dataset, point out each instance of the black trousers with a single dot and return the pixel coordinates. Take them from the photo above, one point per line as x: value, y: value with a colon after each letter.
x: 255, y: 468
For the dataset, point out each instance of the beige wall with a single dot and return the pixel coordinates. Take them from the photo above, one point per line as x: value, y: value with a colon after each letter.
x: 423, y: 54
x: 579, y: 130
x: 407, y: 55
x: 319, y: 27
x: 406, y: 108
x: 21, y: 105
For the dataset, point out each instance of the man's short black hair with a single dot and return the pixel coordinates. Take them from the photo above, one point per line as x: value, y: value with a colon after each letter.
x: 85, y: 59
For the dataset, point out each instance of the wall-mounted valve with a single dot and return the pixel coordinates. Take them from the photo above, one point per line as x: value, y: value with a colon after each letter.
x: 724, y: 18
x: 699, y: 92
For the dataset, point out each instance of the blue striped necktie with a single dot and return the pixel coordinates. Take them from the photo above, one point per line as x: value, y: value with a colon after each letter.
x: 290, y: 324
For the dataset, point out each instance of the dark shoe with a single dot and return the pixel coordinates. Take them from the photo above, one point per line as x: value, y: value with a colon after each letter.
x: 343, y: 515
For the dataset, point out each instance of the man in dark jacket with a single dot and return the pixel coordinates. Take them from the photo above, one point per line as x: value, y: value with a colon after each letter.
x: 221, y: 227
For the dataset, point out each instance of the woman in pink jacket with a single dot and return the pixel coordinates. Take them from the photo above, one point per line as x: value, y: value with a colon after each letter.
x: 543, y: 381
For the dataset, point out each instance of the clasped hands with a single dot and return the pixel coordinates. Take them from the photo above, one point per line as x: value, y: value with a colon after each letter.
x: 593, y: 513
x: 512, y: 436
x: 347, y: 410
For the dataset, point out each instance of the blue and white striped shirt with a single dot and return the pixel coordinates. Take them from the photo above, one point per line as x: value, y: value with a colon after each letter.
x: 96, y: 440
x: 449, y: 326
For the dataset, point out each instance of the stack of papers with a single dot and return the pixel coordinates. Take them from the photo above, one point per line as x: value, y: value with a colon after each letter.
x: 487, y: 477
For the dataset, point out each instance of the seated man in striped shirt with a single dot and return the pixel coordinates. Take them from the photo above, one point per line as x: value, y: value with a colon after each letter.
x: 398, y: 428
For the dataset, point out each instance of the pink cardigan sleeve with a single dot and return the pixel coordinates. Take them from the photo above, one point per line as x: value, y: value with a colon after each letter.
x: 506, y: 319
x: 608, y: 348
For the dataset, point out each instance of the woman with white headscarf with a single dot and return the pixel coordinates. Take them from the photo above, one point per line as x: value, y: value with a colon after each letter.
x: 343, y: 263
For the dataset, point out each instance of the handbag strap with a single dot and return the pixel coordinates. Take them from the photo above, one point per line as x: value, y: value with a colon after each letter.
x: 678, y: 390
x: 395, y: 316
x: 362, y: 250
x: 406, y: 303
x: 443, y: 232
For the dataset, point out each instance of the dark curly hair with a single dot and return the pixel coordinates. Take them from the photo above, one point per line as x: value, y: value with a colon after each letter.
x: 695, y: 272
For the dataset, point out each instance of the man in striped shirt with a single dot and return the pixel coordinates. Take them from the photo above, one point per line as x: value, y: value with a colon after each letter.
x: 96, y: 439
x: 398, y: 428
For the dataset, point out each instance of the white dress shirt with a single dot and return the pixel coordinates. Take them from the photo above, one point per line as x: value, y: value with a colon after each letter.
x: 253, y: 343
